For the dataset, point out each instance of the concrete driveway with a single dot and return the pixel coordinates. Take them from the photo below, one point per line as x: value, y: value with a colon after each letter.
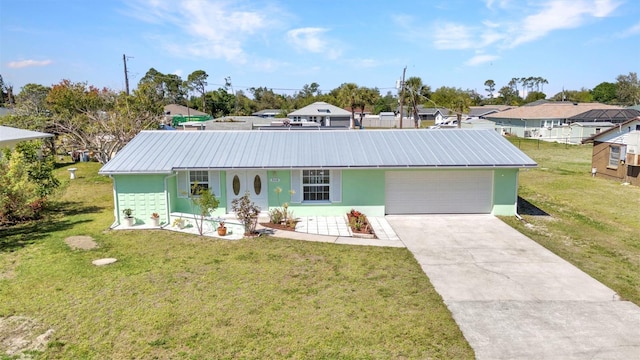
x: 512, y: 298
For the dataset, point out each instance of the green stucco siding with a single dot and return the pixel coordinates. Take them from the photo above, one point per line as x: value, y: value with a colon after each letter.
x: 279, y: 179
x: 142, y: 193
x: 505, y: 183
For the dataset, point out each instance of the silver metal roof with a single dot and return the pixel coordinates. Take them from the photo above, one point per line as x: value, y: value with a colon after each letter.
x: 166, y: 151
x: 8, y: 133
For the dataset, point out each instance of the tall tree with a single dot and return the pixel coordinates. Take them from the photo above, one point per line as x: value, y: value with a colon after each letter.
x: 490, y: 87
x: 100, y: 120
x: 508, y: 96
x: 456, y: 100
x: 32, y: 100
x: 197, y: 81
x: 628, y: 89
x: 416, y: 94
x: 605, y: 92
x: 351, y: 96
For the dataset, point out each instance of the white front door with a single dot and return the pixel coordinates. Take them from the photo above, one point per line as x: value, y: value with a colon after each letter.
x: 253, y: 181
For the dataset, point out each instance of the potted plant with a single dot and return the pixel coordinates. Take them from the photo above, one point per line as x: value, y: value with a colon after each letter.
x: 222, y: 230
x: 155, y: 219
x: 129, y: 220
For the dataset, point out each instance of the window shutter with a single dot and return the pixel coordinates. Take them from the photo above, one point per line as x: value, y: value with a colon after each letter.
x: 183, y: 184
x: 214, y: 182
x: 296, y: 185
x: 336, y: 186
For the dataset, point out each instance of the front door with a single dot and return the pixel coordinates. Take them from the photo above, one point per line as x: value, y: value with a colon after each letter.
x: 253, y: 181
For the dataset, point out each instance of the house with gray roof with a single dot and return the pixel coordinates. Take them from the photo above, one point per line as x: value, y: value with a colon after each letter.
x: 322, y: 113
x: 548, y: 120
x: 267, y: 113
x: 323, y: 173
x: 10, y: 136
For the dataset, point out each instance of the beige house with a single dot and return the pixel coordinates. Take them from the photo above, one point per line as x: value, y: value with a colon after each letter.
x: 544, y: 121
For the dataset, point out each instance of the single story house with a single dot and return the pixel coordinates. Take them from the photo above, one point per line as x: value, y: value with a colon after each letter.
x: 537, y: 121
x: 616, y: 152
x: 319, y: 172
x: 322, y: 113
x: 613, y: 116
x: 267, y: 113
x: 10, y: 136
x: 175, y: 114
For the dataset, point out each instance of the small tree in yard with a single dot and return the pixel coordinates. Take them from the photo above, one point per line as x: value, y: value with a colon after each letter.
x: 205, y: 201
x: 247, y: 212
x: 26, y: 181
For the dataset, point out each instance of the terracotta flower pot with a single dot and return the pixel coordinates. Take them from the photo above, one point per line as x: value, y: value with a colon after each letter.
x: 222, y: 231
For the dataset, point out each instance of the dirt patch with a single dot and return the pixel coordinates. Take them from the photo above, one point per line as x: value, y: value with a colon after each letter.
x: 19, y: 334
x: 81, y: 242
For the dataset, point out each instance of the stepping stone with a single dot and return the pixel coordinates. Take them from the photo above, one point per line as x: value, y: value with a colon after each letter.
x: 105, y: 261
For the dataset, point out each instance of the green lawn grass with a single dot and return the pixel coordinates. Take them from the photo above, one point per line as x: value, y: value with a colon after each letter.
x: 174, y: 295
x: 594, y: 223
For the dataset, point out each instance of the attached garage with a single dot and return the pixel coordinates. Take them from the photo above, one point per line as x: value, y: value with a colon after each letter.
x: 439, y: 192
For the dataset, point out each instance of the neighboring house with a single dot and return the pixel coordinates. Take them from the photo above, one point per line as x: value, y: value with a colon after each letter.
x: 537, y: 121
x: 477, y: 123
x: 483, y: 111
x: 322, y: 113
x: 267, y: 113
x: 613, y: 116
x: 175, y: 115
x: 237, y: 122
x: 329, y: 172
x: 616, y: 152
x: 10, y: 136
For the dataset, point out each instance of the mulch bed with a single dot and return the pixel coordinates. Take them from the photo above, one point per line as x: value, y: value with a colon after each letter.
x: 278, y: 226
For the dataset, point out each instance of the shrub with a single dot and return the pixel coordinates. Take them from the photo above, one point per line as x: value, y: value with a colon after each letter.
x: 247, y: 212
x: 26, y: 182
x: 275, y: 216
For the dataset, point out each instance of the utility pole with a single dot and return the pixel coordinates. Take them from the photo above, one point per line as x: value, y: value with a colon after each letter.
x: 126, y: 73
x: 402, y: 95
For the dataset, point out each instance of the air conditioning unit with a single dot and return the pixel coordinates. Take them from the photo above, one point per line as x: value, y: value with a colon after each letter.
x: 633, y: 159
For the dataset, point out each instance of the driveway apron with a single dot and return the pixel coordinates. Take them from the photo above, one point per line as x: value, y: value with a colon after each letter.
x: 514, y: 299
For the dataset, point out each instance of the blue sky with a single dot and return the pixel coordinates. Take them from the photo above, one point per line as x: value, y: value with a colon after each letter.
x: 285, y: 44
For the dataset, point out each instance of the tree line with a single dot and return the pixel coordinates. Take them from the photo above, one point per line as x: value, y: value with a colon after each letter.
x: 103, y: 120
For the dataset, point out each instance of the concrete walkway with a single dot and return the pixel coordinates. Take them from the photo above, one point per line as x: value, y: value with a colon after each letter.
x: 512, y: 298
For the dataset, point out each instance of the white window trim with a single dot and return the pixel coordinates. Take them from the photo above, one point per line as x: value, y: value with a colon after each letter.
x: 614, y: 165
x: 184, y: 183
x: 335, y: 188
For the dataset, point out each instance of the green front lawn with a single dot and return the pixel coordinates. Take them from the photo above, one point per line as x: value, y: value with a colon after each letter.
x: 173, y: 295
x: 594, y: 223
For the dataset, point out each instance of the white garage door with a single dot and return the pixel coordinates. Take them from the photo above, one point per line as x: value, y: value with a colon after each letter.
x: 438, y: 192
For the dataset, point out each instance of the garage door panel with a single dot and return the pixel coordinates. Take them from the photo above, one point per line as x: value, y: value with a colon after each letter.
x: 433, y: 192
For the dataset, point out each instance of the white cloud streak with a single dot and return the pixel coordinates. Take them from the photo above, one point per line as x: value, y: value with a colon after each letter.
x: 313, y: 39
x: 509, y: 28
x: 481, y: 59
x: 213, y: 29
x: 28, y: 63
x: 633, y: 30
x: 561, y: 14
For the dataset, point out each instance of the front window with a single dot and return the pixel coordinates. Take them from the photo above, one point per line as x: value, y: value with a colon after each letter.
x: 614, y: 156
x: 316, y: 185
x: 198, y: 180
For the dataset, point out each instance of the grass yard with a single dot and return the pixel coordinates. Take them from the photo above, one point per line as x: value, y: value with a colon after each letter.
x: 594, y: 223
x: 173, y: 295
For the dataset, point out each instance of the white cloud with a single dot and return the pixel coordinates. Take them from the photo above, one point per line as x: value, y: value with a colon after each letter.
x: 312, y: 39
x: 453, y: 36
x: 481, y: 59
x: 28, y: 63
x: 561, y: 14
x: 213, y: 29
x: 633, y: 30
